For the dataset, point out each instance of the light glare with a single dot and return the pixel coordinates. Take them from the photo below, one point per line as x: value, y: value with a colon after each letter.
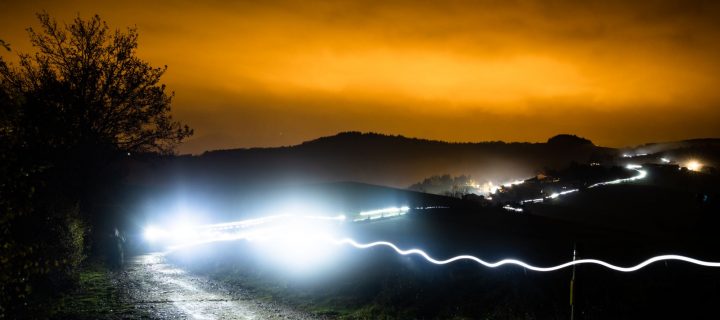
x: 153, y: 234
x: 693, y: 165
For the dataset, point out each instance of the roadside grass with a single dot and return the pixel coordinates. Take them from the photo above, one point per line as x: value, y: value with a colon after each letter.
x: 393, y: 298
x: 272, y: 289
x: 96, y: 296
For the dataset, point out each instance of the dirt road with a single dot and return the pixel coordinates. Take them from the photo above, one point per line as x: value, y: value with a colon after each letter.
x: 166, y: 292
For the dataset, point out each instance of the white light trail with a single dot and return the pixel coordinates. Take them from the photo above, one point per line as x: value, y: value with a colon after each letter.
x: 511, y: 208
x: 625, y: 155
x: 295, y: 237
x: 562, y: 193
x: 641, y: 175
x: 537, y: 200
x: 503, y: 262
x: 513, y: 183
x: 431, y: 207
x: 382, y: 213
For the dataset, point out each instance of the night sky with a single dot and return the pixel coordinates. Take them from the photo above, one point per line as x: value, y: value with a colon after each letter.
x: 269, y: 73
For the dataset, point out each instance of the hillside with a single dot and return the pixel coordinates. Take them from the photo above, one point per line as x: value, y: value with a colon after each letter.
x: 395, y: 161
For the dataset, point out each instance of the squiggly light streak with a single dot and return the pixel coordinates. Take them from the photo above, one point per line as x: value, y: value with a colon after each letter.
x: 284, y: 232
x: 430, y: 259
x: 269, y: 234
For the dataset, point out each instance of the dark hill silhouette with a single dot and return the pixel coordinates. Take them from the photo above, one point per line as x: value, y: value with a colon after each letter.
x: 376, y: 159
x: 568, y: 140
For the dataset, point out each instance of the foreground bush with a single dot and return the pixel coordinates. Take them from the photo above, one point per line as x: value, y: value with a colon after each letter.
x: 41, y: 248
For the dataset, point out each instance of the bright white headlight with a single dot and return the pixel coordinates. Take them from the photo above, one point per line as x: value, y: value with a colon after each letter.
x: 152, y: 233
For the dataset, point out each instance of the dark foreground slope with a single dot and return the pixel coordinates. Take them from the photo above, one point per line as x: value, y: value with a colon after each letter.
x: 380, y: 284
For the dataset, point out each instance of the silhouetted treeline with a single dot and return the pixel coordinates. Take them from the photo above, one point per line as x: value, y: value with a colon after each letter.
x: 371, y: 158
x: 446, y: 185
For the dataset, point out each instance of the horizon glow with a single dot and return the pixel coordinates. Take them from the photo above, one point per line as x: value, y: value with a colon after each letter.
x: 450, y: 71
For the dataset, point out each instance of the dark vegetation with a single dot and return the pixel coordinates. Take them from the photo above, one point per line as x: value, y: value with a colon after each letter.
x: 68, y: 113
x: 445, y: 185
x: 95, y: 295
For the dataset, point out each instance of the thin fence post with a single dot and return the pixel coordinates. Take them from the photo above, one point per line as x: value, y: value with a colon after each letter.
x: 572, y: 285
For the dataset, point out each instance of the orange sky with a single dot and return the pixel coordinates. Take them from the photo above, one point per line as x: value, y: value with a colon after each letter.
x: 268, y: 73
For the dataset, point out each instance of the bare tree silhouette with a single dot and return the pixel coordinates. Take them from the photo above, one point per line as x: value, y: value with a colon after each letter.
x: 90, y: 80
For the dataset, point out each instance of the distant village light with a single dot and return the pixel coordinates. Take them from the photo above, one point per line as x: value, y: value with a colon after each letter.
x: 693, y: 165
